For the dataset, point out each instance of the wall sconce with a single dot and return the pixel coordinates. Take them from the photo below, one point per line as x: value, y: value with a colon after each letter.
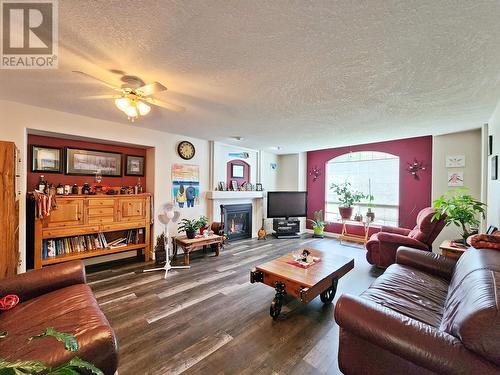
x: 414, y: 167
x: 315, y: 172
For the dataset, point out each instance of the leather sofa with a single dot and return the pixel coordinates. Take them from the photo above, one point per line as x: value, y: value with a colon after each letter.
x: 381, y: 247
x: 58, y: 297
x: 427, y: 314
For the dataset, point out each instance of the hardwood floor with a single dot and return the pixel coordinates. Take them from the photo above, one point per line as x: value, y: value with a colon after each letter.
x: 211, y: 320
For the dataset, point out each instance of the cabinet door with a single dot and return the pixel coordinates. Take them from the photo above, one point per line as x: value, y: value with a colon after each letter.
x: 69, y: 212
x: 132, y: 209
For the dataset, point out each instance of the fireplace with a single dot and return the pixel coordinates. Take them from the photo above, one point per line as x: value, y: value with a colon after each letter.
x: 238, y: 221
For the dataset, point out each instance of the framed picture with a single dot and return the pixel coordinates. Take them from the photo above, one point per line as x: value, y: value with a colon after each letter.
x: 491, y: 229
x: 234, y: 185
x: 455, y: 161
x: 490, y: 145
x: 135, y: 165
x: 88, y: 162
x: 258, y: 186
x: 46, y: 159
x: 456, y: 178
x: 494, y: 167
x: 237, y: 171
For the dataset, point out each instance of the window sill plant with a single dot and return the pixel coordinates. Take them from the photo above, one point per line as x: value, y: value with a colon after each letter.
x: 347, y: 198
x: 461, y: 209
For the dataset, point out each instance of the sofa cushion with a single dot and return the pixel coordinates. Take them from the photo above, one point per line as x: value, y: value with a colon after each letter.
x: 413, y: 293
x: 472, y: 306
x: 73, y: 310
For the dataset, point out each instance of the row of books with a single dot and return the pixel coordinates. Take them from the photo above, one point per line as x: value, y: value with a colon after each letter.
x: 68, y: 245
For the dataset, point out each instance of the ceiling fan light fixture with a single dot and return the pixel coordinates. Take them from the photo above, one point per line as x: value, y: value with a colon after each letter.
x: 143, y: 108
x: 131, y: 111
x: 122, y: 103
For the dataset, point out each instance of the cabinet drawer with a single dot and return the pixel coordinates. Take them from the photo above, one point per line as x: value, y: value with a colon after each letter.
x: 68, y: 232
x: 101, y: 202
x: 101, y: 220
x: 101, y: 211
x: 123, y: 226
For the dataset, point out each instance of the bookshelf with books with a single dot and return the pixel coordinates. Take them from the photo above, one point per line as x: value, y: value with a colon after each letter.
x: 89, y: 226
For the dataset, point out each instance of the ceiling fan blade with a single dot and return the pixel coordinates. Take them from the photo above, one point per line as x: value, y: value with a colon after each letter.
x: 97, y: 79
x: 151, y: 88
x: 101, y: 97
x: 166, y: 105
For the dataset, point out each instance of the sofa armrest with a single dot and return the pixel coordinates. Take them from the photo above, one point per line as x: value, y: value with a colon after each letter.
x: 417, y: 342
x: 396, y: 230
x: 35, y: 283
x: 426, y: 261
x: 401, y: 240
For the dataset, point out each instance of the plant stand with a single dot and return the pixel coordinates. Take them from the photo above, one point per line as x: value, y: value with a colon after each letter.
x: 346, y: 236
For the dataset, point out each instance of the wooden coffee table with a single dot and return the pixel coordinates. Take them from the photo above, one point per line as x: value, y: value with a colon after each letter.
x: 188, y: 245
x: 306, y: 284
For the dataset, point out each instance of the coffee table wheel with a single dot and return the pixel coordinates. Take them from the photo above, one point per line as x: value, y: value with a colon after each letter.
x: 328, y: 295
x: 275, y: 308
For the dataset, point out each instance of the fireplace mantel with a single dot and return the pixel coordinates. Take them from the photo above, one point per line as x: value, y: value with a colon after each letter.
x: 216, y: 198
x: 234, y: 195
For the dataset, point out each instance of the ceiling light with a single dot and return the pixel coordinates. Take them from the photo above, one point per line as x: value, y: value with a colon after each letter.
x: 131, y: 112
x: 122, y: 103
x: 238, y: 138
x: 143, y: 108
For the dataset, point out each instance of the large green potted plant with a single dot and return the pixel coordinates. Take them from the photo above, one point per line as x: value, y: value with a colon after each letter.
x: 318, y: 224
x: 347, y: 198
x: 461, y: 209
x: 190, y: 227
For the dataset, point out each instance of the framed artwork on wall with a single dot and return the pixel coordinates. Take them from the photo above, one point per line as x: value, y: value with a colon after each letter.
x: 494, y: 167
x: 237, y: 171
x: 456, y: 178
x: 46, y: 159
x: 88, y: 162
x: 455, y: 161
x: 490, y: 145
x: 134, y: 165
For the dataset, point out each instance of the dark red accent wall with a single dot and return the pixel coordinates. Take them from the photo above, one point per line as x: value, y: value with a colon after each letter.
x: 246, y: 172
x: 413, y: 194
x: 56, y: 178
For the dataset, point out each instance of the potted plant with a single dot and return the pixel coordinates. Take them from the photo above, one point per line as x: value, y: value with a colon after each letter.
x: 369, y: 214
x: 347, y: 197
x: 190, y: 227
x: 460, y: 209
x: 318, y: 224
x: 203, y: 221
x: 160, y: 252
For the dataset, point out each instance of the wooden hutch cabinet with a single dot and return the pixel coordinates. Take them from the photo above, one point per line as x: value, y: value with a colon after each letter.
x: 9, y: 209
x: 90, y: 216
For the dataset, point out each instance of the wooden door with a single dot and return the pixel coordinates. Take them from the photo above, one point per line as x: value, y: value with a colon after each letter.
x: 132, y: 209
x: 9, y: 218
x: 69, y: 212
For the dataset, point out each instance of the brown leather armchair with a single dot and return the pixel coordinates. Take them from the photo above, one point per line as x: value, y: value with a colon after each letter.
x: 58, y: 297
x: 426, y: 314
x: 381, y: 247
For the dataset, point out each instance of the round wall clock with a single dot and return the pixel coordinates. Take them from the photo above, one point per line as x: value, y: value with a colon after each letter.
x: 186, y: 150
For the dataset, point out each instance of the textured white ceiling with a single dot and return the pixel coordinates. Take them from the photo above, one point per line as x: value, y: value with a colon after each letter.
x: 302, y: 75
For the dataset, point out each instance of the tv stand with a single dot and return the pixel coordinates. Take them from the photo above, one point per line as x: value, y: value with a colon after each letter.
x: 286, y: 228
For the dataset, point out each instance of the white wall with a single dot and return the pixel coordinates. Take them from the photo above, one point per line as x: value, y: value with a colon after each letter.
x: 493, y: 217
x: 17, y: 118
x: 463, y: 143
x: 221, y: 158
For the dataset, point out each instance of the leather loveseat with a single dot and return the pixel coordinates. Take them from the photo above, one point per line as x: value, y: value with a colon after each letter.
x: 58, y: 297
x: 427, y: 314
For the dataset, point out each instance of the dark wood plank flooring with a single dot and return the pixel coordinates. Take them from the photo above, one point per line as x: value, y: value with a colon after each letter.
x: 211, y: 320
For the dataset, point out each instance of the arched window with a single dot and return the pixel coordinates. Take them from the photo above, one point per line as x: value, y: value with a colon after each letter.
x: 364, y: 170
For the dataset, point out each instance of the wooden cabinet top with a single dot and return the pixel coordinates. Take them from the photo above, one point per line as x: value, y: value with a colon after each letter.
x: 102, y: 196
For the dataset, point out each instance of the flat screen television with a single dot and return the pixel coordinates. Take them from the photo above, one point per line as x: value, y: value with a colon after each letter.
x: 286, y: 204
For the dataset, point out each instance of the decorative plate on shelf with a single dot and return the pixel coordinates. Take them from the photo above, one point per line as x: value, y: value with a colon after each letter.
x: 186, y: 150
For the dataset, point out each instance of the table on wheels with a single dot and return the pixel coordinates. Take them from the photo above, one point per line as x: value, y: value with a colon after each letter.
x: 188, y: 245
x: 306, y: 284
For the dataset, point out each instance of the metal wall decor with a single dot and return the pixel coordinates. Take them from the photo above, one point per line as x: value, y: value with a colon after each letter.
x: 414, y: 167
x: 315, y: 172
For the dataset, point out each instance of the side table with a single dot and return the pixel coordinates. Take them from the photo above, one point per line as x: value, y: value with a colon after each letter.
x: 450, y: 251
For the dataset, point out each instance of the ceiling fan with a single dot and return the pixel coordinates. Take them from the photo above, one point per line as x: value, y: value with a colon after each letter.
x: 134, y: 97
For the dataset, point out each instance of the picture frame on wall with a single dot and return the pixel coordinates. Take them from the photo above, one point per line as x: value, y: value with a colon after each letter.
x: 490, y: 145
x: 83, y: 162
x: 494, y: 167
x: 237, y: 171
x: 456, y: 178
x: 258, y: 186
x: 455, y: 161
x: 46, y: 159
x: 134, y: 165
